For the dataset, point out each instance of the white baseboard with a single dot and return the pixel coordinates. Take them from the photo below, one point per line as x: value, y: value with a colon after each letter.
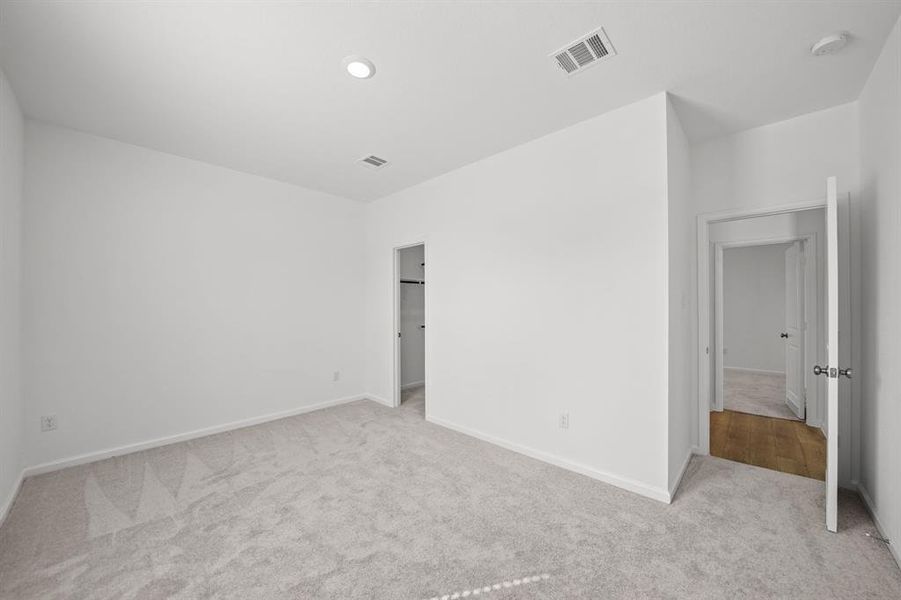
x: 8, y: 502
x: 815, y: 423
x: 181, y: 437
x: 412, y: 384
x: 379, y: 399
x: 747, y: 370
x: 794, y: 407
x: 648, y: 491
x: 868, y: 502
x: 675, y: 485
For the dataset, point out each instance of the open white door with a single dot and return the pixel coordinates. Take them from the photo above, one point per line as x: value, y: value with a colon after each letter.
x: 832, y: 371
x: 794, y: 330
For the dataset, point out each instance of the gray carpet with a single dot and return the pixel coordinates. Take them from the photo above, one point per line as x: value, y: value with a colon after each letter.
x: 365, y: 501
x: 756, y: 393
x: 413, y: 399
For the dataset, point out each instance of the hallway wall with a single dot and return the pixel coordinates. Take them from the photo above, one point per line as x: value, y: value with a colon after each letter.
x: 754, y: 307
x: 878, y: 268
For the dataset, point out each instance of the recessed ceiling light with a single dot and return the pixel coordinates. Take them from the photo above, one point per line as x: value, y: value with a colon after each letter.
x: 359, y: 67
x: 830, y: 44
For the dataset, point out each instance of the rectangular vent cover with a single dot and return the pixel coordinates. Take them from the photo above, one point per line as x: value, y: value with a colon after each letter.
x: 584, y: 52
x: 373, y: 162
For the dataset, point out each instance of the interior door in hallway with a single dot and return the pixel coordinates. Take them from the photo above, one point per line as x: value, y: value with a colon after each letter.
x: 794, y: 330
x: 833, y: 370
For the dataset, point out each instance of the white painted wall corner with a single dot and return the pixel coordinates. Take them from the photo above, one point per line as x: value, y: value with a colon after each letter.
x: 8, y: 502
x: 674, y: 487
x: 871, y: 508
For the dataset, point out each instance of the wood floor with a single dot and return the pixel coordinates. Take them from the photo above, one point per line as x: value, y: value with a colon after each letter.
x: 778, y: 444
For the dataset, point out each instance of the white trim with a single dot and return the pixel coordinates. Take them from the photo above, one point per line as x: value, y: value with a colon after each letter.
x: 675, y: 485
x: 868, y: 503
x: 380, y: 400
x: 8, y: 503
x: 90, y: 457
x: 733, y: 214
x: 747, y: 370
x: 772, y: 241
x: 648, y: 491
x: 412, y: 384
x: 703, y: 300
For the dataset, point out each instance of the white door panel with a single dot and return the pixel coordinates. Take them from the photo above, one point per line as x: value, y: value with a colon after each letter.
x: 793, y: 332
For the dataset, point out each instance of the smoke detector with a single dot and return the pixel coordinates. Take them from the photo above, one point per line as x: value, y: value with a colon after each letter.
x: 830, y: 44
x: 584, y: 52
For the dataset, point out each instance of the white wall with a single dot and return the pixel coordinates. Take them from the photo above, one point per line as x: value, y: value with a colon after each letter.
x: 570, y: 313
x: 681, y: 255
x: 754, y: 307
x: 879, y: 269
x: 412, y: 316
x: 11, y: 404
x: 164, y: 295
x: 775, y: 165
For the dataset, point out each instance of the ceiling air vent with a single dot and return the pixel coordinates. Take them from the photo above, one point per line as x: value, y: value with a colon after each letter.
x: 584, y: 52
x: 373, y: 162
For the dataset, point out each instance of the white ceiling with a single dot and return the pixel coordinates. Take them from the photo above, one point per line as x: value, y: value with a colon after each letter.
x: 259, y: 86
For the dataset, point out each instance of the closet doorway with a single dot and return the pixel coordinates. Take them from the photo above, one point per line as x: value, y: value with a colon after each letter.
x: 410, y: 291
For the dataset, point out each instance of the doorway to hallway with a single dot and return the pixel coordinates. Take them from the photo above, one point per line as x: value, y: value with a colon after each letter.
x: 767, y: 299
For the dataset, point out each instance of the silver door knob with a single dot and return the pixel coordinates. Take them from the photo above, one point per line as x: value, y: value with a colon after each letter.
x: 846, y: 372
x: 818, y: 370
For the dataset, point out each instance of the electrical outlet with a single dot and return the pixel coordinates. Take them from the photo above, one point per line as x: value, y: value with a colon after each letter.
x: 564, y: 420
x: 336, y: 375
x: 48, y: 422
